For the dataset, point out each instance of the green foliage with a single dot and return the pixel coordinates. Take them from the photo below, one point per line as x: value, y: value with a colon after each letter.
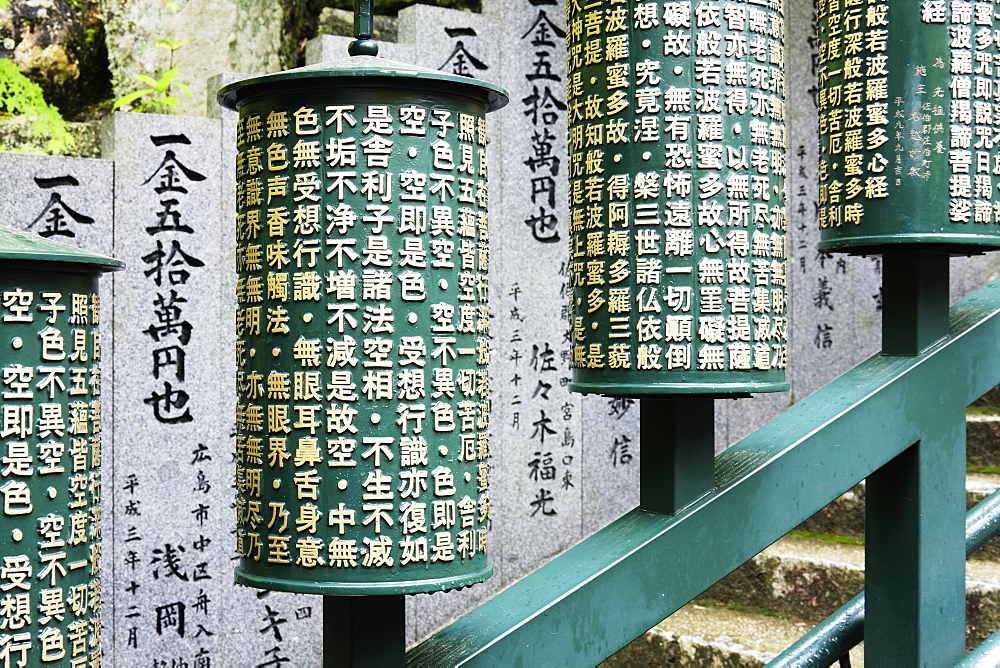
x: 737, y: 607
x: 158, y: 97
x: 828, y: 537
x: 20, y: 96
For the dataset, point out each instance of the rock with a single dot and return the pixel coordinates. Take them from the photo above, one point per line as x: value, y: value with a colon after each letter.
x: 257, y: 36
x: 334, y: 21
x: 991, y: 398
x: 982, y: 434
x: 60, y: 46
x: 16, y: 135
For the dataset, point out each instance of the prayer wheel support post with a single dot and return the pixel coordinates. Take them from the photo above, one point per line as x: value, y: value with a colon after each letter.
x: 364, y: 631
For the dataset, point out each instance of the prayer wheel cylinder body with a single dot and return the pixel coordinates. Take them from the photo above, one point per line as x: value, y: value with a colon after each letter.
x: 363, y: 328
x: 678, y: 251
x: 909, y: 153
x: 50, y: 437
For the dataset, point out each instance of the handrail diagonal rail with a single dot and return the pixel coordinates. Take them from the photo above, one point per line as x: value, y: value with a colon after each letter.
x: 984, y: 656
x: 845, y: 628
x: 595, y: 598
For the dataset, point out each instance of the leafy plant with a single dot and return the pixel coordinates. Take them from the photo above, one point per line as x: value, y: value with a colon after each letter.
x: 20, y: 96
x: 158, y: 97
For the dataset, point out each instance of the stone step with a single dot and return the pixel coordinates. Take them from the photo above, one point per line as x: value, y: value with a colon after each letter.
x: 846, y: 515
x: 983, y: 430
x: 991, y: 398
x: 766, y: 605
x: 749, y: 617
x: 808, y: 579
x: 982, y: 436
x: 700, y: 635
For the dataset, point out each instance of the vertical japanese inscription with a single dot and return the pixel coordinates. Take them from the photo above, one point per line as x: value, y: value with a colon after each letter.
x: 58, y: 218
x: 973, y: 120
x: 50, y: 471
x: 537, y: 348
x: 854, y: 113
x: 363, y: 341
x: 678, y: 255
x: 169, y: 267
x: 168, y: 488
x: 917, y: 122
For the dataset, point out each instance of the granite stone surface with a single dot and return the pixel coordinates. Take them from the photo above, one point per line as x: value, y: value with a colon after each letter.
x: 172, y: 549
x: 334, y: 47
x: 305, y: 645
x: 70, y: 200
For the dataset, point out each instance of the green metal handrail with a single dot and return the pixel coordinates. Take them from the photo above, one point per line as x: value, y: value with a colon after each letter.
x: 594, y: 599
x: 984, y: 656
x: 836, y: 635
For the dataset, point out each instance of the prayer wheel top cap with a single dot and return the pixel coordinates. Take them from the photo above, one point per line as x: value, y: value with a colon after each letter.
x: 17, y: 245
x: 363, y: 71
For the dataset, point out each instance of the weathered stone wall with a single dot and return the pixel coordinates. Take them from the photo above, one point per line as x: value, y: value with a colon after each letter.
x: 225, y: 36
x: 60, y: 46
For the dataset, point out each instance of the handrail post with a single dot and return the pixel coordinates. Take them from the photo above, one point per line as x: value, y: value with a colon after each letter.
x: 915, y: 503
x: 914, y: 301
x: 364, y: 631
x: 677, y: 464
x: 915, y: 552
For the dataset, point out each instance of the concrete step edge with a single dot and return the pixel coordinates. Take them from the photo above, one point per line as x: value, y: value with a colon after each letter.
x: 808, y: 579
x: 982, y: 436
x: 845, y: 516
x: 697, y: 636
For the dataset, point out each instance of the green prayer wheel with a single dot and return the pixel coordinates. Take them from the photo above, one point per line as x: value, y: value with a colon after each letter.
x: 678, y: 251
x: 50, y: 450
x: 909, y: 128
x: 363, y: 328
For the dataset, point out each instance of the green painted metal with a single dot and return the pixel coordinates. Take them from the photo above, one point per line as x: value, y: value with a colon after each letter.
x: 24, y: 246
x: 845, y: 628
x: 982, y: 523
x: 907, y: 155
x: 914, y: 504
x: 915, y: 547
x: 364, y: 73
x: 50, y: 431
x: 363, y: 45
x: 591, y: 601
x: 682, y: 466
x: 985, y: 655
x: 363, y: 328
x: 364, y: 631
x: 678, y: 250
x: 829, y: 640
x: 914, y: 301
